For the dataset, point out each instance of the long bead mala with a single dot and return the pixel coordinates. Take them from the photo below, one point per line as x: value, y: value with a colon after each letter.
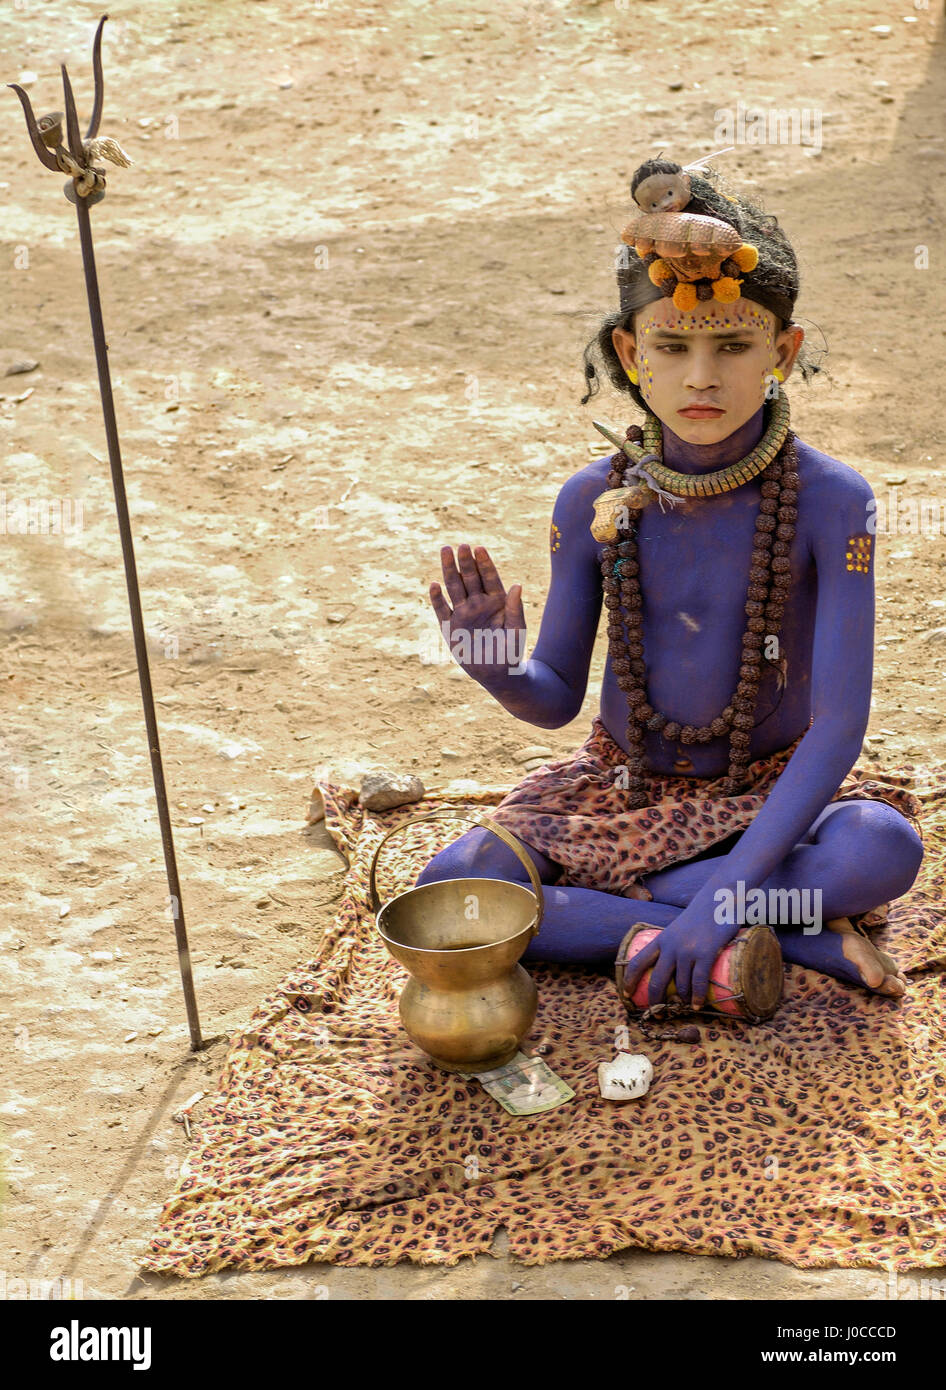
x: 769, y: 580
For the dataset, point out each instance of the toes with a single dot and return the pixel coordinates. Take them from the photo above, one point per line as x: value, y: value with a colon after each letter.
x: 867, y: 965
x: 877, y: 970
x: 895, y: 983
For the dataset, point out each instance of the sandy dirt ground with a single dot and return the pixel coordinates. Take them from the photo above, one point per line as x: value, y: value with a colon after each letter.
x: 347, y: 284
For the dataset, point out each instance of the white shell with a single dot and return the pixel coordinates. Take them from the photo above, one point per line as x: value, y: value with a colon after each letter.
x: 626, y: 1078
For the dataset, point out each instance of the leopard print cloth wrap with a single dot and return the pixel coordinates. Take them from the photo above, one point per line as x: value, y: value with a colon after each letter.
x: 331, y: 1138
x: 575, y: 812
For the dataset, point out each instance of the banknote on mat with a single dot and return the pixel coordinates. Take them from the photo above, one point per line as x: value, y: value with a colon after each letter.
x: 526, y: 1086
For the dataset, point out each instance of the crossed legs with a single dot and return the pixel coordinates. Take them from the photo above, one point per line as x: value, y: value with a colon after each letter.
x: 858, y: 853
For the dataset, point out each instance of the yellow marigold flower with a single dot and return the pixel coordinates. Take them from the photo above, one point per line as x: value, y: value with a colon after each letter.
x: 747, y: 257
x: 684, y: 298
x: 726, y: 289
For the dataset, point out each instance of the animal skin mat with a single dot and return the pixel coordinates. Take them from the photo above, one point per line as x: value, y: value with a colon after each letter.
x: 818, y: 1138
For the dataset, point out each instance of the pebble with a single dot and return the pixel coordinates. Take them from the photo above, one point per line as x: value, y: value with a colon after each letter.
x: 533, y: 763
x: 674, y: 86
x: 936, y: 634
x: 20, y: 368
x: 535, y: 750
x: 26, y: 78
x: 381, y: 791
x: 130, y: 1037
x: 206, y: 806
x: 450, y: 753
x: 881, y: 30
x: 229, y: 751
x: 196, y: 820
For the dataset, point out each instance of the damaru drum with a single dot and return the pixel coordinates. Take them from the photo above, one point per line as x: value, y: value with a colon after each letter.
x: 746, y: 980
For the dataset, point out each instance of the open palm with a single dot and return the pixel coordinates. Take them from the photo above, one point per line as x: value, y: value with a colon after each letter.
x: 481, y: 606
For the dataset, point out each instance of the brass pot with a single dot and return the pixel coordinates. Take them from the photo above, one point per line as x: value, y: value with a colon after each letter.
x: 468, y: 1003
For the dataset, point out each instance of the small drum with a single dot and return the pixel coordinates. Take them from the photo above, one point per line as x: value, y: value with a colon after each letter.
x: 746, y: 980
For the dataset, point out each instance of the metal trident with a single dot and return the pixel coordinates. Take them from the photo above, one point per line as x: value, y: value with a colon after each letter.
x: 86, y: 186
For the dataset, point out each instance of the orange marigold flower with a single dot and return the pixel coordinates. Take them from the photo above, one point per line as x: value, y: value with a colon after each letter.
x: 747, y: 257
x: 726, y: 289
x: 684, y: 298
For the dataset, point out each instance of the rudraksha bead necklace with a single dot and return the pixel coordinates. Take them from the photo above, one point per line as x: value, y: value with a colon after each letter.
x: 769, y: 581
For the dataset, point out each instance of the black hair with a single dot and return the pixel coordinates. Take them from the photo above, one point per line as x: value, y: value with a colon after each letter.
x: 774, y: 283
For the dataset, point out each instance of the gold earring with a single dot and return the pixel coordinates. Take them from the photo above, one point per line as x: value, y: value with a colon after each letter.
x: 632, y: 373
x: 778, y: 374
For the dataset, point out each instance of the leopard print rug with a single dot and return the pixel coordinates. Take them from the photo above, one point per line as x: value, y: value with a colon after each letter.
x: 817, y: 1138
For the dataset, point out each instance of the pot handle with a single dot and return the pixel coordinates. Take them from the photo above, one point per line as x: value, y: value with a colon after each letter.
x: 505, y: 835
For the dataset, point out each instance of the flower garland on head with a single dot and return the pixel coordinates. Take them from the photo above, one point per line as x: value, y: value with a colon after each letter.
x: 724, y: 287
x: 769, y: 581
x: 689, y: 256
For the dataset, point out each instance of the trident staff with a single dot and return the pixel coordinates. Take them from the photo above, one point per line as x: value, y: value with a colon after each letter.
x: 87, y: 186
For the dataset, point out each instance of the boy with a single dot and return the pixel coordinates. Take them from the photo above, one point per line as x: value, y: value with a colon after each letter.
x: 699, y: 823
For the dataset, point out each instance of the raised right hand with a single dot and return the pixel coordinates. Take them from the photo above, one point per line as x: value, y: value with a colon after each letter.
x: 486, y: 628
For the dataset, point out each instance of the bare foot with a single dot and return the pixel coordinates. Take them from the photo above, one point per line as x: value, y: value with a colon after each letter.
x: 879, y: 971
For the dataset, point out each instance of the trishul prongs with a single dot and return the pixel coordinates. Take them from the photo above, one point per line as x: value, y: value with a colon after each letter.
x: 46, y: 133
